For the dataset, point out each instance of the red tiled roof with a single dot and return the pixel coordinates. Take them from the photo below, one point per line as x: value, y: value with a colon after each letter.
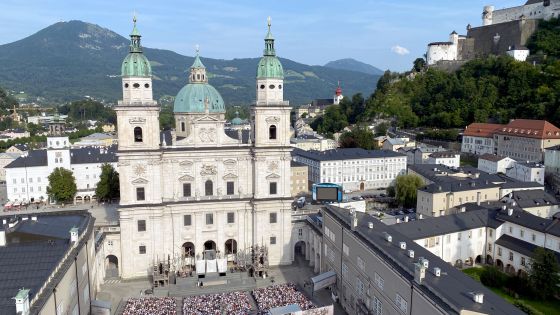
x: 481, y: 130
x: 530, y: 128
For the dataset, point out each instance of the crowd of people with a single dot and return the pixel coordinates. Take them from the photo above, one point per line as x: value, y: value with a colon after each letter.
x: 151, y: 306
x: 234, y: 303
x: 280, y: 295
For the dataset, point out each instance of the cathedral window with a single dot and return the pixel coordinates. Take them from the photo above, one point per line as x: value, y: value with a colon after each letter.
x: 140, y: 194
x: 186, y: 189
x: 209, y: 218
x: 273, y: 240
x: 126, y: 85
x: 208, y: 188
x: 271, y: 86
x: 142, y: 249
x: 230, y: 188
x: 280, y: 86
x: 272, y: 188
x: 230, y: 217
x: 273, y: 217
x: 262, y: 86
x: 183, y: 127
x: 137, y: 134
x: 141, y: 225
x: 187, y: 220
x: 198, y: 76
x: 146, y: 85
x: 136, y: 85
x: 272, y: 132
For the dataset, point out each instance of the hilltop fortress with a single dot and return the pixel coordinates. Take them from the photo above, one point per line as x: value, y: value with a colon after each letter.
x: 503, y: 31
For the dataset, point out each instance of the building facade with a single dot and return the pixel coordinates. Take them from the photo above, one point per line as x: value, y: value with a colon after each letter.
x: 449, y: 159
x: 493, y: 164
x: 299, y: 177
x: 527, y: 172
x: 200, y: 187
x: 478, y: 138
x: 353, y: 169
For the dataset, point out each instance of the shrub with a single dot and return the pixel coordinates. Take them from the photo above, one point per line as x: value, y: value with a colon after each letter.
x: 493, y: 277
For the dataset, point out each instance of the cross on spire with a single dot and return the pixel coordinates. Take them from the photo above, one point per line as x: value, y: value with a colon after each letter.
x: 269, y: 22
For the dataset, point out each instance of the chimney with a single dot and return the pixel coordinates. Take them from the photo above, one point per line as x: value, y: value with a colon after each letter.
x: 34, y: 218
x: 478, y: 297
x: 402, y: 245
x: 370, y: 225
x: 388, y: 237
x: 478, y: 198
x: 463, y: 209
x: 420, y: 217
x: 411, y: 253
x: 22, y: 302
x: 4, y: 221
x: 424, y: 262
x: 510, y: 211
x: 437, y: 271
x: 406, y: 219
x: 398, y: 220
x: 354, y: 220
x: 2, y: 238
x: 419, y: 273
x: 74, y: 234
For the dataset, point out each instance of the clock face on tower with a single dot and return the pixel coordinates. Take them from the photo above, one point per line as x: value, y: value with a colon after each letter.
x: 139, y: 170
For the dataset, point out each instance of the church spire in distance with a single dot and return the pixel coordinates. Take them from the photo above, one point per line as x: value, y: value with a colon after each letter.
x: 269, y: 41
x: 135, y: 37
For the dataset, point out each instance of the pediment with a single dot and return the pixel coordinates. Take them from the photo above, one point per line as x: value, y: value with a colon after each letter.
x: 207, y: 118
x: 230, y: 176
x: 186, y: 178
x: 139, y: 181
x: 273, y: 176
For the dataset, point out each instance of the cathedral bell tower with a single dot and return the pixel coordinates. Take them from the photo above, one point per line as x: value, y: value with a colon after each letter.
x: 137, y: 113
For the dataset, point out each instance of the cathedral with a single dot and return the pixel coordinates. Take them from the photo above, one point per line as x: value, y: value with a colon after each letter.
x: 201, y: 187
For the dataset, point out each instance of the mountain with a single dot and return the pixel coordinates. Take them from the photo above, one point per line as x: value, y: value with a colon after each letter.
x: 354, y: 65
x: 69, y: 60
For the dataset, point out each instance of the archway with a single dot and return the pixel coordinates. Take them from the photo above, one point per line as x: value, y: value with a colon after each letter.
x: 210, y: 245
x: 522, y: 273
x: 499, y: 264
x: 459, y: 263
x: 362, y: 186
x: 111, y: 266
x: 188, y: 249
x: 478, y: 259
x: 87, y: 199
x: 299, y: 249
x: 510, y: 269
x: 79, y: 199
x: 231, y: 247
x: 489, y: 260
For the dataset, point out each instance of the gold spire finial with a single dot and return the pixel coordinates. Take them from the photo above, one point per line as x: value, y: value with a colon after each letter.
x: 269, y: 22
x: 134, y: 17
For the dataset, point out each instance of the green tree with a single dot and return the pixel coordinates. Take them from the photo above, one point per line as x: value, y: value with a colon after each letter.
x: 419, y: 64
x: 543, y: 273
x: 62, y: 185
x: 108, y: 185
x: 359, y: 137
x: 406, y: 187
x: 381, y: 129
x: 166, y: 119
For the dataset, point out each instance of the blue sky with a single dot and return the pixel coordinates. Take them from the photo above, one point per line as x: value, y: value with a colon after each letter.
x: 388, y: 34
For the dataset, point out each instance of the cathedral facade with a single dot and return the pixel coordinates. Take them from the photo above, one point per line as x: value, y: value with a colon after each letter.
x: 202, y: 187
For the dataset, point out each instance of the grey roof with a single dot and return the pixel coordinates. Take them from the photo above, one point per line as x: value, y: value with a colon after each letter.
x: 443, y: 154
x: 232, y: 133
x: 450, y: 291
x: 460, y: 185
x: 438, y: 173
x: 306, y: 137
x: 32, y: 159
x: 30, y: 262
x: 511, y: 184
x: 492, y: 157
x: 395, y: 141
x: 520, y: 246
x: 533, y: 198
x: 93, y: 155
x: 530, y: 221
x: 446, y: 224
x: 530, y: 164
x: 297, y: 164
x: 346, y: 154
x: 77, y: 156
x: 428, y: 149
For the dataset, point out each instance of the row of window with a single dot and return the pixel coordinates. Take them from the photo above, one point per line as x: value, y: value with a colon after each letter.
x: 209, y: 219
x: 208, y: 189
x: 14, y: 181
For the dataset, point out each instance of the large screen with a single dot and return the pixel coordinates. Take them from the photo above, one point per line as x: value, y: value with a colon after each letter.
x: 327, y: 193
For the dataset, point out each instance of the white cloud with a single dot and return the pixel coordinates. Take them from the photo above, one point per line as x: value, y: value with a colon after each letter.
x: 399, y: 50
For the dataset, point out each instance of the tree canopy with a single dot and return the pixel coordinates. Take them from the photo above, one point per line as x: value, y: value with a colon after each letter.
x: 108, y: 185
x: 62, y: 185
x: 359, y: 137
x: 88, y: 109
x: 543, y: 273
x: 406, y: 187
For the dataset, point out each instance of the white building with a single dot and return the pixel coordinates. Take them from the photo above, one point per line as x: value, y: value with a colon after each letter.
x: 27, y: 176
x: 532, y: 9
x: 450, y: 159
x: 518, y: 53
x: 313, y: 142
x: 527, y: 172
x: 5, y: 159
x: 443, y: 51
x: 492, y: 164
x: 354, y: 168
x: 202, y: 188
x: 393, y: 144
x: 478, y: 138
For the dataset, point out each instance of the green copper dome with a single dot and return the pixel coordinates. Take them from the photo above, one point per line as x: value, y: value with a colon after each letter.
x: 269, y: 65
x: 192, y: 98
x: 135, y: 64
x: 198, y: 96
